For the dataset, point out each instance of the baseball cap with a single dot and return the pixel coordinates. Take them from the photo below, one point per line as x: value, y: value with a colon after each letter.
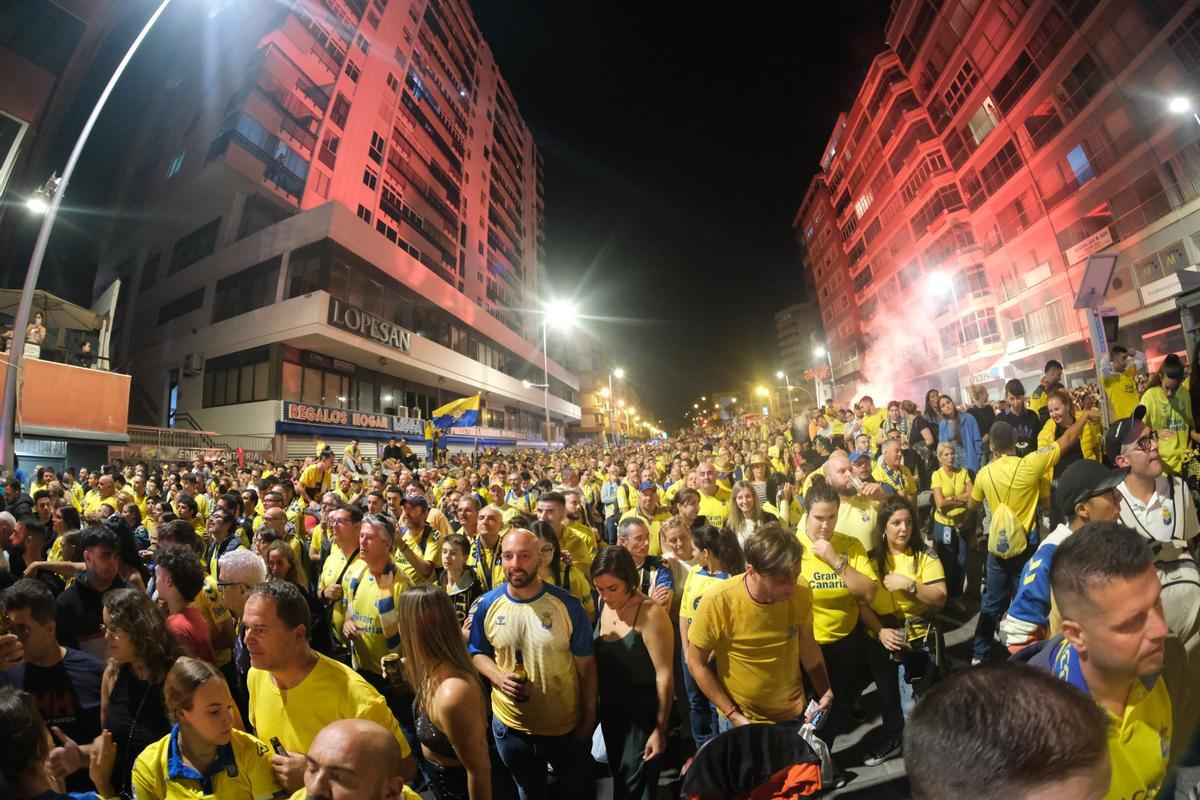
x: 645, y: 485
x: 859, y: 455
x: 1084, y: 480
x: 1120, y: 433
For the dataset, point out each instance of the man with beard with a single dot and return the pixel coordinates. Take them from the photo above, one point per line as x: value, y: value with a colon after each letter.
x: 1112, y: 648
x: 533, y: 643
x: 859, y: 506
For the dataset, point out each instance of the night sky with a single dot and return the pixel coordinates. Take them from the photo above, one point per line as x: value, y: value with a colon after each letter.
x: 679, y: 140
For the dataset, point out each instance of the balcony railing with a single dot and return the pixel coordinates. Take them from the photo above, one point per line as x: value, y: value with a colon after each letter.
x: 1095, y: 165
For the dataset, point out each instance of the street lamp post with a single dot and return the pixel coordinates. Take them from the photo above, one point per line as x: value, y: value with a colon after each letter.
x: 787, y: 384
x: 9, y: 408
x: 563, y: 316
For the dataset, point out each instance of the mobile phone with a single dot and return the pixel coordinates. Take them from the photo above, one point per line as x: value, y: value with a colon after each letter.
x: 278, y: 747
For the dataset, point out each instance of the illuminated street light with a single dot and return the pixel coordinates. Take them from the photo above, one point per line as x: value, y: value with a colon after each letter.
x: 618, y: 373
x: 820, y: 352
x: 695, y: 405
x: 1179, y: 105
x: 761, y: 391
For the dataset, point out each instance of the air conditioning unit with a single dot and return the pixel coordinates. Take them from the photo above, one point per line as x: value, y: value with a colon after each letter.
x: 193, y: 364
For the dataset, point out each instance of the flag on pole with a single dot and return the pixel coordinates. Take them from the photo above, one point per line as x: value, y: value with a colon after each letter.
x: 460, y: 413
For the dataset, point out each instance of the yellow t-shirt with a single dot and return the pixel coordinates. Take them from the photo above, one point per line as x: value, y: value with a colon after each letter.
x: 952, y: 486
x: 1122, y: 392
x: 580, y: 542
x: 318, y: 481
x: 715, y: 507
x: 1173, y: 414
x: 92, y: 503
x: 485, y: 561
x: 922, y: 567
x: 757, y: 648
x: 208, y: 602
x: 331, y: 691
x: 872, y: 424
x: 428, y: 545
x: 160, y: 774
x: 329, y: 574
x: 654, y: 524
x: 699, y: 582
x: 835, y: 611
x: 857, y: 518
x: 579, y: 588
x: 1016, y: 481
x: 373, y: 609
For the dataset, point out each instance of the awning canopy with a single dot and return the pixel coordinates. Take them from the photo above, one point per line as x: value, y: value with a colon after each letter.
x: 56, y: 312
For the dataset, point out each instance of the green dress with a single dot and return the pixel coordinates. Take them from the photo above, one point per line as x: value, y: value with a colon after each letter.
x: 628, y: 711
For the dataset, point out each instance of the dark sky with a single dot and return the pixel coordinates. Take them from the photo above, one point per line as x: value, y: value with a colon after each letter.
x: 679, y: 140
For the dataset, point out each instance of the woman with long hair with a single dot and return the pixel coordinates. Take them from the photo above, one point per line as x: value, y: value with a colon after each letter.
x: 133, y: 517
x: 746, y: 515
x: 27, y: 743
x: 555, y: 569
x: 204, y: 754
x: 718, y: 556
x: 1169, y: 412
x: 1061, y: 407
x: 761, y: 479
x: 449, y: 708
x: 141, y: 653
x: 912, y: 589
x: 634, y: 667
x: 687, y: 505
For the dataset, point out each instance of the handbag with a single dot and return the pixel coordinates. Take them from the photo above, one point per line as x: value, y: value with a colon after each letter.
x: 324, y: 638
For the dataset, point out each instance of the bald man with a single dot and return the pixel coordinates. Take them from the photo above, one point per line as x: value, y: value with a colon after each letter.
x: 354, y: 759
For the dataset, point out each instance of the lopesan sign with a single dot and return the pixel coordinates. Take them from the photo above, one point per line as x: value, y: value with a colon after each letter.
x: 336, y: 417
x: 362, y: 323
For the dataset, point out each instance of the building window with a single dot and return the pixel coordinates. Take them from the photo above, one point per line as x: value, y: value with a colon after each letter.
x: 320, y: 183
x: 352, y: 71
x: 864, y: 203
x: 393, y: 82
x: 376, y: 151
x: 180, y: 306
x: 176, y: 164
x: 362, y: 43
x: 984, y: 121
x: 370, y: 178
x: 149, y: 272
x: 339, y: 111
x: 364, y: 213
x: 1078, y: 161
x: 250, y: 289
x: 1003, y: 166
x: 239, y: 378
x: 960, y: 87
x: 975, y: 281
x: 198, y: 244
x: 329, y: 148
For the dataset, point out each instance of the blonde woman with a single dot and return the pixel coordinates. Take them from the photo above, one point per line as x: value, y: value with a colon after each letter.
x: 951, y: 486
x: 204, y: 754
x: 449, y: 709
x: 746, y: 515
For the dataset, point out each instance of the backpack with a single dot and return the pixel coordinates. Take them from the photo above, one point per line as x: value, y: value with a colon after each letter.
x: 1007, y: 536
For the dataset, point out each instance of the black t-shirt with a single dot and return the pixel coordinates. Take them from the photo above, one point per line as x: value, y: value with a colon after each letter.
x: 1026, y: 427
x: 984, y: 415
x: 393, y: 451
x: 68, y: 696
x: 81, y: 616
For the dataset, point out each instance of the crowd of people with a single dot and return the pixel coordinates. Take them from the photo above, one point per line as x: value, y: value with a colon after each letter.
x: 514, y: 624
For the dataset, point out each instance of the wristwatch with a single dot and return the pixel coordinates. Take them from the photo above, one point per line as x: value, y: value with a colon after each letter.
x: 912, y: 588
x: 840, y: 564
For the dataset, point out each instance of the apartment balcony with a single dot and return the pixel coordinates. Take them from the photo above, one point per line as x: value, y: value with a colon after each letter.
x: 49, y: 401
x: 251, y: 149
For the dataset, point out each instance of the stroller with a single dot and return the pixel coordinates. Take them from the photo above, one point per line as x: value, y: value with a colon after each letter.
x: 754, y: 762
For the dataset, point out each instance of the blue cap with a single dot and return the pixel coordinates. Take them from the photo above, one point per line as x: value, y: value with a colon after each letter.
x: 858, y: 455
x: 646, y: 485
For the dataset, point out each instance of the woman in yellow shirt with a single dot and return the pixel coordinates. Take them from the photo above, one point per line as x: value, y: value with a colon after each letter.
x: 912, y: 588
x: 951, y: 486
x: 718, y: 555
x: 204, y: 755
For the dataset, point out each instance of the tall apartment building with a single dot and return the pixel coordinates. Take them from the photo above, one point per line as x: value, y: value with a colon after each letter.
x: 333, y: 225
x: 798, y: 331
x: 990, y: 150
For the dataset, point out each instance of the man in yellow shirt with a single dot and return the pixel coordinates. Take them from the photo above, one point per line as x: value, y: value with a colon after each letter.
x: 1017, y: 483
x: 1113, y: 647
x: 759, y: 625
x: 714, y: 498
x: 295, y: 691
x: 317, y: 478
x: 892, y: 475
x: 650, y: 511
x: 872, y: 419
x: 1120, y: 380
x: 1051, y: 375
x: 105, y: 495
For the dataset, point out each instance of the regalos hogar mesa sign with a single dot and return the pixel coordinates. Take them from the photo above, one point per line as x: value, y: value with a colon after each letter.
x: 335, y: 417
x: 367, y: 325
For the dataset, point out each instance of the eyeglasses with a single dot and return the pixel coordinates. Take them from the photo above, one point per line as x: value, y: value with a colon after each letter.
x: 1145, y: 443
x: 227, y: 584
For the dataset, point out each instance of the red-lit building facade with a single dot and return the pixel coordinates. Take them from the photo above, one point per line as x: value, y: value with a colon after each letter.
x: 990, y: 150
x: 336, y: 204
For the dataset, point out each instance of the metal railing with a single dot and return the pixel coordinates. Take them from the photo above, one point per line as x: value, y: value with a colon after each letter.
x: 167, y: 443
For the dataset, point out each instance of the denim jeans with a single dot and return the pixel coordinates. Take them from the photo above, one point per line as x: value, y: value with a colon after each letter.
x: 527, y: 754
x: 1003, y: 580
x: 704, y: 716
x: 952, y: 550
x: 610, y: 529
